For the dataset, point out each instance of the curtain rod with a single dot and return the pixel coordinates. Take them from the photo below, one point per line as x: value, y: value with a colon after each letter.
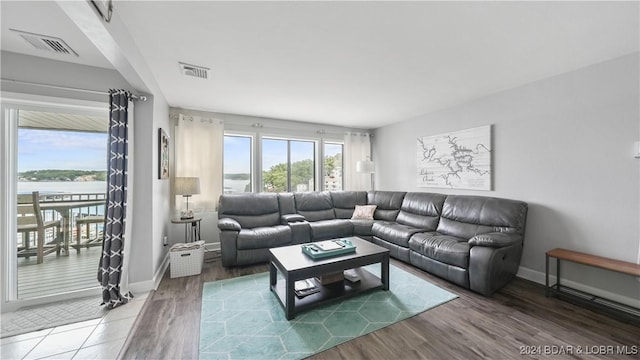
x: 321, y: 131
x: 134, y: 97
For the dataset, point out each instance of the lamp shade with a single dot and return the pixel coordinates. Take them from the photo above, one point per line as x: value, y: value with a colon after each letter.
x: 365, y: 166
x: 187, y: 186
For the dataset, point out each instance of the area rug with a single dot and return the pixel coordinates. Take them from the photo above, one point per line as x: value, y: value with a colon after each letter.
x: 242, y: 319
x: 52, y: 315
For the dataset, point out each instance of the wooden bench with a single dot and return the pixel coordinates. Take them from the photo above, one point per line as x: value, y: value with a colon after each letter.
x: 609, y: 306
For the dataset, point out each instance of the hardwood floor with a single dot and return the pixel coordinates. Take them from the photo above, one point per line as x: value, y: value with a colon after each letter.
x: 517, y: 322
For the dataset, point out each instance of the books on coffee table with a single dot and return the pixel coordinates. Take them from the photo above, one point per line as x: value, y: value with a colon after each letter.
x: 351, y: 275
x: 305, y: 287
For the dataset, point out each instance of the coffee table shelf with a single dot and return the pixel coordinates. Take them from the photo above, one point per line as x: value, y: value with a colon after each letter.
x: 339, y: 290
x: 294, y: 265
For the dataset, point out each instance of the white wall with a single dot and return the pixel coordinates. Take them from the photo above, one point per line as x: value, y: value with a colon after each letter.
x: 151, y: 196
x: 44, y: 71
x: 564, y: 145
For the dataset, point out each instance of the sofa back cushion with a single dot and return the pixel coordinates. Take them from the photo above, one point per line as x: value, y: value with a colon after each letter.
x: 466, y: 216
x: 287, y: 203
x: 421, y: 210
x: 314, y: 206
x: 344, y: 202
x: 388, y: 204
x: 250, y: 210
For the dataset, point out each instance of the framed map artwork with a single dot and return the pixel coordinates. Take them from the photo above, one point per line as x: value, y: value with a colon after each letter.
x: 456, y: 160
x: 163, y: 155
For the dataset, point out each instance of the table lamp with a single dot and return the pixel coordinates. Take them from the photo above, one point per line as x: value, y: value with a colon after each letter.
x: 187, y: 186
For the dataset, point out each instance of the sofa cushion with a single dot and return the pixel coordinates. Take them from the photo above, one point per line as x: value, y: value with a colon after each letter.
x: 465, y: 216
x: 330, y: 229
x: 287, y: 203
x: 394, y: 233
x: 388, y: 204
x: 250, y: 210
x: 361, y: 227
x: 314, y: 206
x: 421, y: 210
x: 264, y: 237
x: 444, y: 248
x: 344, y: 202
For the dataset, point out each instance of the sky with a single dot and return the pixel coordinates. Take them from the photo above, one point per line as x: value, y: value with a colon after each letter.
x: 63, y: 150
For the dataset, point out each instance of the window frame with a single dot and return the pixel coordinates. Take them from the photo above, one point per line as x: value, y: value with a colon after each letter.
x: 257, y: 133
x: 323, y: 175
x: 252, y: 155
x: 314, y: 142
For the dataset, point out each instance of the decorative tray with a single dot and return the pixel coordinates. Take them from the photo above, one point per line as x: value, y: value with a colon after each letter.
x: 328, y: 248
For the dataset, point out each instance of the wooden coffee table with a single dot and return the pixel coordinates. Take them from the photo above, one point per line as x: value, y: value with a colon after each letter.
x: 294, y: 265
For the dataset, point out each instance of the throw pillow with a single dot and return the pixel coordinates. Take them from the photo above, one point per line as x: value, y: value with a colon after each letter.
x: 364, y: 212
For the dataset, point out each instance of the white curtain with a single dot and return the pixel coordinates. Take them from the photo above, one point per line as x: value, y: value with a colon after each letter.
x: 198, y: 149
x: 357, y: 147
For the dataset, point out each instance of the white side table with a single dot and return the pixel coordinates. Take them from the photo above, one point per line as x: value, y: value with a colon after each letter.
x: 191, y: 228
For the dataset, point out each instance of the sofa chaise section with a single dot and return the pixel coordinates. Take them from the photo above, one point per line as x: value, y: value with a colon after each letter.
x: 477, y: 243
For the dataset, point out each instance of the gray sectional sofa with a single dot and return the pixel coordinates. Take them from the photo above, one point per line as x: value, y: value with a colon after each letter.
x: 473, y: 241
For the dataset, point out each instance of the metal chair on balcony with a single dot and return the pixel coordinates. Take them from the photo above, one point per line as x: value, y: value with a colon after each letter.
x: 31, y: 221
x: 86, y: 221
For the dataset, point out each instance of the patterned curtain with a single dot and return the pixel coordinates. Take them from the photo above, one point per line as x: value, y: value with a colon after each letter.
x: 110, y: 273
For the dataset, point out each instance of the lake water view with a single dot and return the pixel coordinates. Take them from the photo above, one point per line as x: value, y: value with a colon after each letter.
x: 235, y: 186
x: 67, y: 187
x: 51, y: 187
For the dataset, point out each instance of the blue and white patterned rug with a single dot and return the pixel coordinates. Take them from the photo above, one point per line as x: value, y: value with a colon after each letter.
x: 242, y: 319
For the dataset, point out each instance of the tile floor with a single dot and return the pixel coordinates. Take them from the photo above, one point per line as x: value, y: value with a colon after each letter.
x: 101, y: 338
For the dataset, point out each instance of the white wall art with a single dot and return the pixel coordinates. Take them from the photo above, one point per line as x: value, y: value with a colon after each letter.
x: 456, y: 160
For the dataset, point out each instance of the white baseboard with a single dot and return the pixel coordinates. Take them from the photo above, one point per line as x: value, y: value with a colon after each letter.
x: 538, y: 277
x: 215, y: 246
x: 146, y: 286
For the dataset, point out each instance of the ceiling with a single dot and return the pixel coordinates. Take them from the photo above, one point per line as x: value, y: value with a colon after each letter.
x: 45, y: 18
x: 354, y: 64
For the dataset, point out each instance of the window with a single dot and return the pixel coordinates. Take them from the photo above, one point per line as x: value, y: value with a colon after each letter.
x: 237, y: 164
x: 332, y: 166
x: 288, y: 165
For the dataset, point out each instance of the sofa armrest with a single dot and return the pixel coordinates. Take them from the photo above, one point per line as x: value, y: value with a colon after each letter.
x: 291, y: 218
x: 228, y: 224
x: 492, y: 268
x: 495, y: 240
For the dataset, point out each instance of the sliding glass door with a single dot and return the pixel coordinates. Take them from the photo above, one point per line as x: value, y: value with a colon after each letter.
x: 56, y: 213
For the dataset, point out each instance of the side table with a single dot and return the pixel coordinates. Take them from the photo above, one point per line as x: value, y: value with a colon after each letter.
x: 191, y: 228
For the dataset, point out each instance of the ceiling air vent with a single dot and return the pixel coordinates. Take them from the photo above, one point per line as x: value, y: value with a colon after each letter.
x: 195, y: 71
x: 47, y: 43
